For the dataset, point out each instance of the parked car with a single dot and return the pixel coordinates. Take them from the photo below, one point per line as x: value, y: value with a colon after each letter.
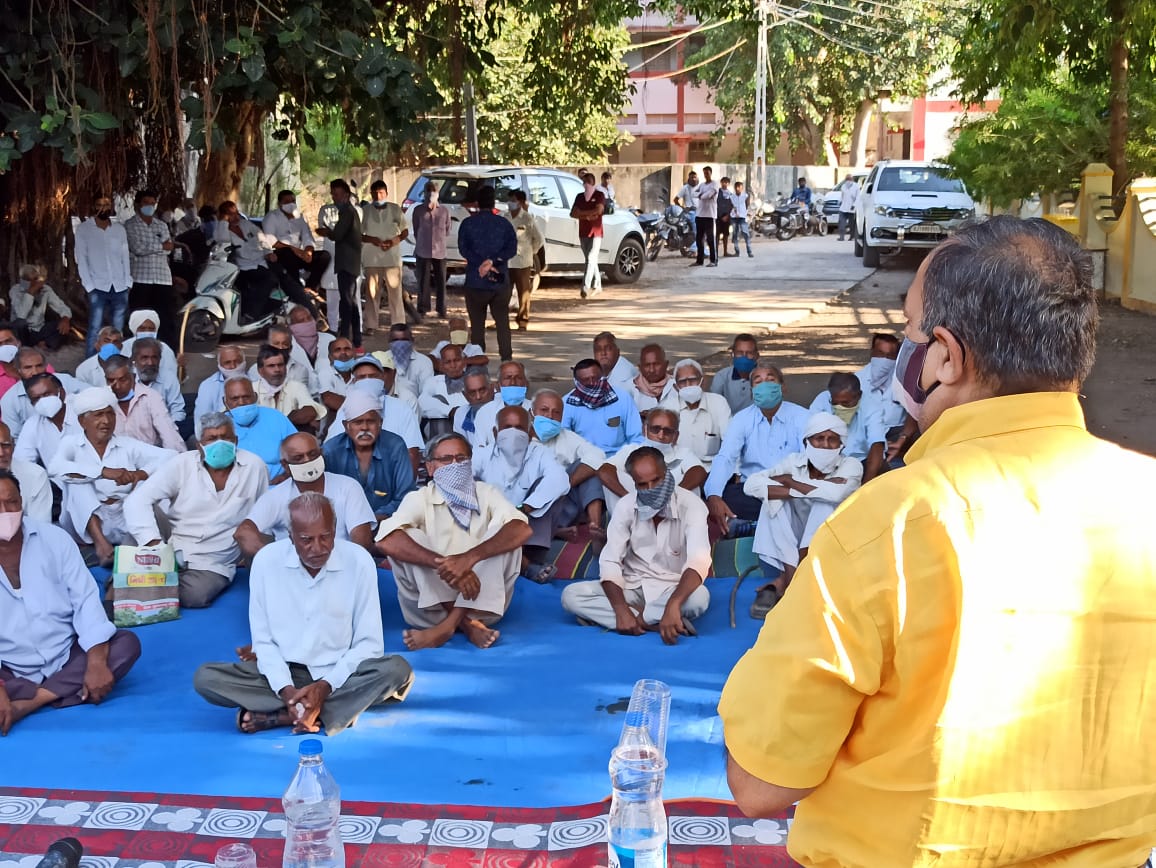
x: 908, y: 203
x: 832, y: 198
x: 551, y: 194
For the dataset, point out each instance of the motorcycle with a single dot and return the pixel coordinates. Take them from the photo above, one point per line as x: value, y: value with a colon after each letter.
x: 675, y: 231
x: 651, y: 240
x: 215, y: 309
x: 780, y: 219
x: 814, y: 220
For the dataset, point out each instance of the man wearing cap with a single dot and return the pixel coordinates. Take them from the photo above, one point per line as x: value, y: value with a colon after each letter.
x: 143, y: 323
x: 304, y: 465
x: 456, y: 550
x: 203, y: 496
x: 52, y: 420
x: 395, y: 387
x: 260, y: 430
x: 798, y: 494
x: 140, y: 412
x: 288, y: 397
x: 655, y: 561
x: 98, y: 470
x: 374, y: 458
x: 396, y: 415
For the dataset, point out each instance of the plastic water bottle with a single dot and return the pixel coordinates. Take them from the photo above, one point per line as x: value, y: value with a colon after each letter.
x: 637, y: 822
x: 312, y: 806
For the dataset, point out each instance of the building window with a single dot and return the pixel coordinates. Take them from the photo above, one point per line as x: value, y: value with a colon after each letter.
x: 700, y: 149
x: 662, y: 57
x: 655, y: 150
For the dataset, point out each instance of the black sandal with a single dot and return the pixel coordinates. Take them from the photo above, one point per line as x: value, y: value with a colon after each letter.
x: 766, y: 598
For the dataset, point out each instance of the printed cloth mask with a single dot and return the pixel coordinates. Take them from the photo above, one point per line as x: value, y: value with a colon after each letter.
x: 309, y: 471
x: 654, y: 500
x: 456, y: 483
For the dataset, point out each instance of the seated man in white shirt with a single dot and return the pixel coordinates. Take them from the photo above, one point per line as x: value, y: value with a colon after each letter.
x: 299, y: 366
x: 304, y: 464
x: 293, y: 242
x: 97, y: 472
x: 90, y: 371
x: 661, y: 433
x: 146, y: 361
x: 703, y: 417
x: 579, y: 458
x: 456, y: 550
x: 15, y: 406
x: 798, y: 495
x: 412, y: 367
x: 527, y: 473
x: 140, y: 412
x: 57, y: 646
x: 211, y: 392
x: 512, y: 388
x: 654, y: 385
x: 473, y: 355
x: 288, y: 397
x: 444, y: 392
x: 259, y: 272
x: 479, y: 392
x: 335, y: 379
x: 862, y: 414
x: 52, y: 419
x: 655, y: 561
x: 615, y: 368
x: 35, y: 490
x: 395, y: 387
x: 315, y: 618
x: 203, y: 495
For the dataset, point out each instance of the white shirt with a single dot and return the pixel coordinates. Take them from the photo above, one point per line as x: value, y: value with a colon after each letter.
x: 420, y: 369
x: 644, y: 402
x: 250, y: 251
x: 435, y: 401
x: 679, y: 462
x: 330, y: 623
x: 640, y: 555
x: 708, y: 199
x: 300, y: 368
x: 469, y: 351
x: 866, y: 427
x: 290, y: 396
x: 293, y: 231
x: 16, y: 408
x: 537, y: 483
x: 701, y: 429
x: 892, y: 411
x: 39, y: 438
x: 89, y: 371
x: 485, y: 421
x: 688, y: 196
x: 848, y: 196
x: 210, y: 399
x: 570, y: 447
x: 397, y: 417
x: 57, y: 603
x: 102, y: 257
x: 739, y: 205
x: 168, y: 359
x: 202, y: 519
x: 271, y: 511
x: 622, y: 375
x: 34, y: 489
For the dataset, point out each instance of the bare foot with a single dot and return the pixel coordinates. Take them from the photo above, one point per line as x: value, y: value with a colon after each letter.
x: 569, y: 534
x: 479, y: 633
x: 430, y: 637
x: 245, y: 654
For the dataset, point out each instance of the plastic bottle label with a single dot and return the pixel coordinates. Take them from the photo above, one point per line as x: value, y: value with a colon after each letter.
x: 624, y: 857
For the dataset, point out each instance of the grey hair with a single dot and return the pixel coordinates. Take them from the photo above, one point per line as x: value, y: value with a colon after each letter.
x: 645, y: 452
x: 110, y: 333
x: 116, y: 363
x: 437, y: 441
x: 476, y: 370
x: 217, y: 420
x: 231, y: 347
x: 28, y: 271
x: 311, y: 506
x: 25, y: 352
x: 765, y: 365
x: 688, y: 363
x: 541, y: 393
x: 145, y: 344
x: 1018, y: 295
x: 665, y: 411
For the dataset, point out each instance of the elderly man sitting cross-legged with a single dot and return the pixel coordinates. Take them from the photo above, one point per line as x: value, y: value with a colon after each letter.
x: 57, y: 646
x: 455, y: 546
x: 656, y: 557
x: 315, y: 617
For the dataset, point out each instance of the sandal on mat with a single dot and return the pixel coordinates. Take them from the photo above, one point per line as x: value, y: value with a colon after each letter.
x: 766, y: 598
x: 260, y: 720
x: 540, y: 573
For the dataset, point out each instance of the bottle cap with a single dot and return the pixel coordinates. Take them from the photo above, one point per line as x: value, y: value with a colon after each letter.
x: 310, y: 747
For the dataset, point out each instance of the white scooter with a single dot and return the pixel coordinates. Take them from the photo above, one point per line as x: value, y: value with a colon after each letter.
x: 216, y: 306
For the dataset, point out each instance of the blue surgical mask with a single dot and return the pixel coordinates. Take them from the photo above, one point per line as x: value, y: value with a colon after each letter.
x: 513, y: 395
x: 546, y: 428
x: 744, y: 364
x: 767, y: 395
x: 131, y: 394
x: 220, y: 454
x: 152, y: 335
x: 343, y: 366
x: 108, y: 351
x: 245, y: 414
x: 148, y: 210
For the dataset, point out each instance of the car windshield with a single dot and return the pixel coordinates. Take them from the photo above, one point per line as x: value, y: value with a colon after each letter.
x: 917, y: 179
x: 459, y: 190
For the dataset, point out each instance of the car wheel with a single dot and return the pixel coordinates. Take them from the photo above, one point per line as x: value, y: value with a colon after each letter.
x: 858, y: 245
x: 870, y: 256
x: 202, y: 332
x: 628, y: 262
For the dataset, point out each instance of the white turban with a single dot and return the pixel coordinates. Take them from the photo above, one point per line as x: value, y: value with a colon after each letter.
x: 91, y: 400
x: 358, y: 403
x: 137, y: 317
x: 820, y: 422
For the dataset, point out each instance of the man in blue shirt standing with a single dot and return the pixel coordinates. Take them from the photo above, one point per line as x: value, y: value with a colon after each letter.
x: 376, y: 459
x: 598, y: 412
x: 488, y: 242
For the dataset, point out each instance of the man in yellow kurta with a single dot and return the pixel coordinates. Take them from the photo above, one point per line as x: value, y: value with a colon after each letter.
x: 962, y: 672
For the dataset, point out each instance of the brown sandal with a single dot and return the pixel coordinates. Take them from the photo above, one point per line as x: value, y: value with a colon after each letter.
x: 259, y: 720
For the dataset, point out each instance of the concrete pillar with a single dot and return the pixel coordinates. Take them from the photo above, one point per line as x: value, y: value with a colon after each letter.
x: 1097, y: 182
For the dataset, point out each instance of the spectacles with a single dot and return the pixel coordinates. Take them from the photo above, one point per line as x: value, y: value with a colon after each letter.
x: 450, y: 459
x: 688, y: 381
x: 662, y: 429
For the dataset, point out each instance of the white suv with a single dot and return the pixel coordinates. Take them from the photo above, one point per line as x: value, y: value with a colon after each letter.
x: 551, y: 194
x: 908, y: 203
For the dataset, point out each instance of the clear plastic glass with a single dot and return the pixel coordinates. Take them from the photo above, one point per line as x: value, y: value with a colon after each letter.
x: 312, y: 804
x: 650, y: 699
x: 236, y: 856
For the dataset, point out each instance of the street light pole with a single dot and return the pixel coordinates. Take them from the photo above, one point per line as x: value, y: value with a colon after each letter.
x: 760, y: 143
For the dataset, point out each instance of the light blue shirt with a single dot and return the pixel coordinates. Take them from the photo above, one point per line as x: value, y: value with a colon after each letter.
x: 264, y: 436
x: 56, y: 604
x: 609, y: 427
x: 752, y: 444
x: 892, y: 411
x: 170, y: 390
x: 210, y: 399
x: 866, y: 428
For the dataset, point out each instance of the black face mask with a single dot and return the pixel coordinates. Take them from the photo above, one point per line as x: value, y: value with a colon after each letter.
x: 103, y: 215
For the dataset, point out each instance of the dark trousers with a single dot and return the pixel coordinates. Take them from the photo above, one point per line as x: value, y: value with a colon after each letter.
x: 48, y: 334
x: 431, y: 271
x: 704, y: 231
x: 348, y: 310
x: 846, y: 224
x: 742, y: 504
x: 256, y: 287
x: 163, y: 299
x: 290, y: 284
x: 723, y: 231
x: 478, y: 302
x: 123, y: 651
x: 289, y: 260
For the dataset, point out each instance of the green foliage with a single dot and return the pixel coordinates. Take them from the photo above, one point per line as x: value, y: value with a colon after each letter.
x: 1040, y: 139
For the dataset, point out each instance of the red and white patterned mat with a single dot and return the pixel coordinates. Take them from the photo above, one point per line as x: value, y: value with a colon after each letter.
x: 150, y: 830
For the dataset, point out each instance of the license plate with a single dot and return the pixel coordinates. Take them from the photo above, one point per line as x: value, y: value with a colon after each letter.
x: 925, y: 229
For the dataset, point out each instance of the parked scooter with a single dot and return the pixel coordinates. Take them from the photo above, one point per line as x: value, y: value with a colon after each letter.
x: 215, y: 309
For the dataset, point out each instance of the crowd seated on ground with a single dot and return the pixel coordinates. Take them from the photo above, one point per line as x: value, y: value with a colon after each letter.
x: 313, y: 461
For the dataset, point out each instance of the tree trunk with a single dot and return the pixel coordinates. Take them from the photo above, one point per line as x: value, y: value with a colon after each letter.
x: 830, y: 153
x: 1119, y: 15
x: 219, y: 176
x: 859, y: 131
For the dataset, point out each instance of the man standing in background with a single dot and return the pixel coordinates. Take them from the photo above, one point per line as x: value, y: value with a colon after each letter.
x: 848, y: 196
x: 705, y: 219
x: 382, y: 231
x: 149, y: 246
x: 102, y: 264
x: 588, y: 210
x: 346, y: 237
x: 431, y: 228
x: 530, y: 241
